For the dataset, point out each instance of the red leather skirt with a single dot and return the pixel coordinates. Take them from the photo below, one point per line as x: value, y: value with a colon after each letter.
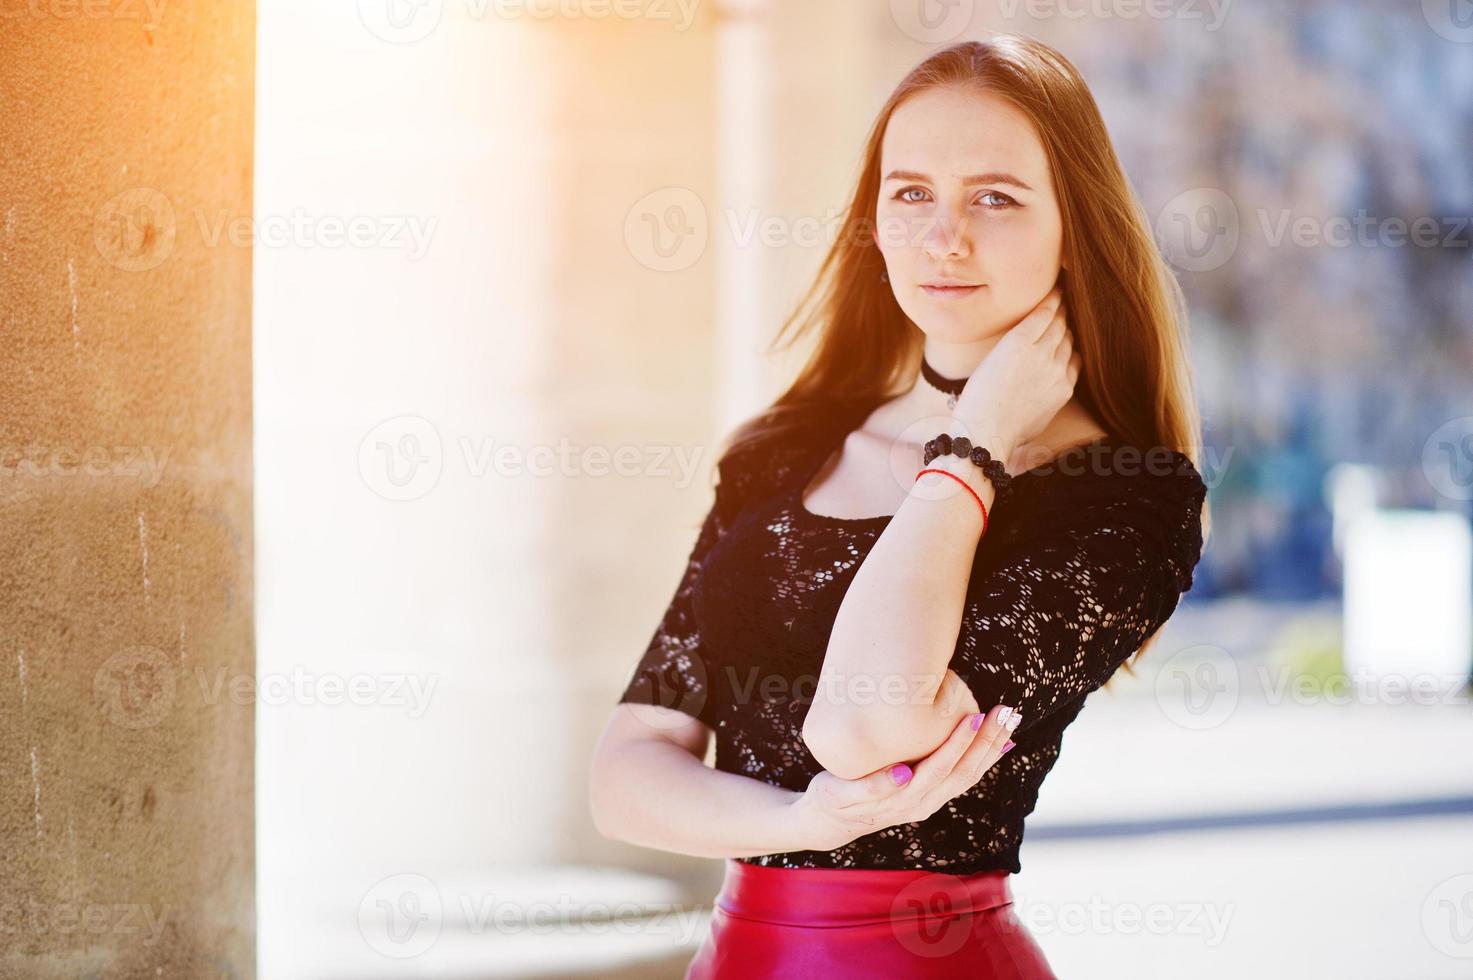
x: 812, y: 923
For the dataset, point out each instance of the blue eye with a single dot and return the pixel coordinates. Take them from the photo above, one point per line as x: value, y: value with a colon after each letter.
x: 1005, y: 201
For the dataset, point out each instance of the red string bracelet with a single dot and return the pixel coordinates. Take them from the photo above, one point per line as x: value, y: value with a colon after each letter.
x: 965, y: 486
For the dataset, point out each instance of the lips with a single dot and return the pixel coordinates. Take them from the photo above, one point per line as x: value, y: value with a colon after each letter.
x: 949, y: 290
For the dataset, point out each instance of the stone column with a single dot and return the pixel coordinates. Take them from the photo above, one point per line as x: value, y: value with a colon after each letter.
x: 126, y: 601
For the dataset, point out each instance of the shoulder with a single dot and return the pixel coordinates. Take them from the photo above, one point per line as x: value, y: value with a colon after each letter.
x: 782, y: 452
x: 1153, y: 497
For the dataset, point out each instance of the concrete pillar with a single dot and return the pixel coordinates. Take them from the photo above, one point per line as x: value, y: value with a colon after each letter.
x: 126, y: 596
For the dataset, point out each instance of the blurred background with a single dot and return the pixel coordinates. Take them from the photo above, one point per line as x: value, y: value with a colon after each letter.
x: 400, y: 336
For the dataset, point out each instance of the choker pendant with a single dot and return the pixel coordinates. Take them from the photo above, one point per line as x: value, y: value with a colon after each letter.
x: 950, y: 387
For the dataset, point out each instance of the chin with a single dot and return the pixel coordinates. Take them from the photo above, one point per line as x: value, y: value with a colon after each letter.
x: 951, y: 326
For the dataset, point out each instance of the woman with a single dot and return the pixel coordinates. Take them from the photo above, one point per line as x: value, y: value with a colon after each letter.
x: 888, y: 660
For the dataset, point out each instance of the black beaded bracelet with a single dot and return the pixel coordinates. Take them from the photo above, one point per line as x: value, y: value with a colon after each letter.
x: 961, y: 446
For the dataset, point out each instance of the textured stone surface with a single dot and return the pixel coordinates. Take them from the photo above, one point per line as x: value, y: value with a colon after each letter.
x: 126, y: 601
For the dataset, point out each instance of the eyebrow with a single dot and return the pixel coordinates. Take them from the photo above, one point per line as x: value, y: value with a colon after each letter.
x: 991, y: 177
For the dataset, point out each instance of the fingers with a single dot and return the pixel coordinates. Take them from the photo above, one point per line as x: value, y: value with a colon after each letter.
x: 1057, y: 340
x: 935, y: 767
x: 987, y: 748
x: 925, y: 775
x: 1042, y: 316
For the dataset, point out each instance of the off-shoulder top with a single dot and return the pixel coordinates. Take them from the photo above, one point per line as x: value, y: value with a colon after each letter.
x: 1083, y: 561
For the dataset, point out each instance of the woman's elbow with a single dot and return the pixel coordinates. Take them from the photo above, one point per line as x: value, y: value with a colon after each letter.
x: 842, y: 743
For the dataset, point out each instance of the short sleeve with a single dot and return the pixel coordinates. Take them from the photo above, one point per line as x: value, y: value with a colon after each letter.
x: 674, y: 671
x: 1052, y: 621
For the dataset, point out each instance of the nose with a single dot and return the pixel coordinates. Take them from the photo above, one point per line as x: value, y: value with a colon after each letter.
x: 946, y: 237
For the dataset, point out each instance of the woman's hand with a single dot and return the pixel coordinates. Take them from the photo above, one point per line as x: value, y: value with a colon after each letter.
x: 834, y: 811
x: 1022, y: 383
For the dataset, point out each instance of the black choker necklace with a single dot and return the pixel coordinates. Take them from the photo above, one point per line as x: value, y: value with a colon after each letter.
x: 947, y: 386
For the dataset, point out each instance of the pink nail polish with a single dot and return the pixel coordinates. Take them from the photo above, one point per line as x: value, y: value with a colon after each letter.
x: 900, y: 774
x: 1007, y: 747
x: 977, y: 721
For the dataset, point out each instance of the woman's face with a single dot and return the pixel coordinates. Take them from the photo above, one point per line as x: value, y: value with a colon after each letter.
x: 966, y: 196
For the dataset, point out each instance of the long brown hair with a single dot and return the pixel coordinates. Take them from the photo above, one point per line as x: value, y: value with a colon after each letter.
x: 1126, y: 310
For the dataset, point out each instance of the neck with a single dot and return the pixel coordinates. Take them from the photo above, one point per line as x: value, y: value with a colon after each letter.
x: 950, y: 361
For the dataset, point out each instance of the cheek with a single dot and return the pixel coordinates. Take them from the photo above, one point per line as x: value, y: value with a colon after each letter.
x: 896, y: 232
x: 1026, y: 253
x: 1019, y: 240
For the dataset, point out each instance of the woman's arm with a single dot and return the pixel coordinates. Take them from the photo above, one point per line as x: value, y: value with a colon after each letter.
x: 1054, y: 620
x: 902, y: 614
x: 650, y: 786
x: 885, y: 690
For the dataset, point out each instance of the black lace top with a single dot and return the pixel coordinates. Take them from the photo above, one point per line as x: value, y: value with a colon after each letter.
x: 1084, y: 560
